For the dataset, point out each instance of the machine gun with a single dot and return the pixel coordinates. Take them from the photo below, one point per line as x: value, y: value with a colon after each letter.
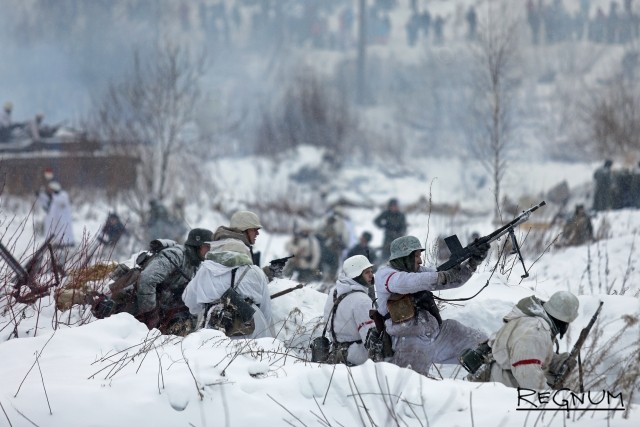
x: 564, y: 371
x: 460, y: 254
x: 24, y: 276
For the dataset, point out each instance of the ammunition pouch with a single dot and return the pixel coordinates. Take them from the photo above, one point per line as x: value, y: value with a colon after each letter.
x: 324, y: 351
x: 404, y: 307
x: 320, y: 349
x: 401, y: 307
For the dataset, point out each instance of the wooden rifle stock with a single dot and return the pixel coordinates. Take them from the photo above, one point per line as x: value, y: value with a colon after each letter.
x: 563, y: 371
x: 377, y: 318
x: 286, y: 291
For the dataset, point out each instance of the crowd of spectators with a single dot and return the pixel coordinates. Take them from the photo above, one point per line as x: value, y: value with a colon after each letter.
x: 324, y: 24
x: 550, y: 22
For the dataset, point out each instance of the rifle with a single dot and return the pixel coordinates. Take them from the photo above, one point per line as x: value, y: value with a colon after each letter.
x: 460, y: 254
x: 563, y: 371
x: 385, y: 339
x: 24, y: 275
x: 286, y: 291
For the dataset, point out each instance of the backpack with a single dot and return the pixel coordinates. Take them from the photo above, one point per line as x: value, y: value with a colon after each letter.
x: 325, y: 351
x: 124, y: 286
x: 232, y: 313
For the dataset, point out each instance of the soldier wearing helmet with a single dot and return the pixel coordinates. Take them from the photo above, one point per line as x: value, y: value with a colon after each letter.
x: 346, y: 312
x: 162, y: 281
x: 523, y: 350
x: 403, y: 290
x: 228, y: 270
x: 244, y: 226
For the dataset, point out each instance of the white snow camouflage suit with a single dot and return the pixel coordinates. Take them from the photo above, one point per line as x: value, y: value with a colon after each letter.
x: 214, y: 278
x: 523, y: 347
x: 421, y: 341
x: 351, y: 322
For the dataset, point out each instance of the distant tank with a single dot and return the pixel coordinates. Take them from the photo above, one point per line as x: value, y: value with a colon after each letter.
x: 76, y: 161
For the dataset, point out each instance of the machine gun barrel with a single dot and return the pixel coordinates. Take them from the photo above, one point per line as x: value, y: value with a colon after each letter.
x: 460, y: 254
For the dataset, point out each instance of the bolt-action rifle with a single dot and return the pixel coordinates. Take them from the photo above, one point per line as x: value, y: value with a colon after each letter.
x: 24, y: 276
x: 564, y: 371
x: 460, y: 254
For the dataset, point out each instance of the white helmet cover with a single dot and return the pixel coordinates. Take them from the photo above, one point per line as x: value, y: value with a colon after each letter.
x: 355, y: 265
x: 563, y: 306
x: 244, y: 220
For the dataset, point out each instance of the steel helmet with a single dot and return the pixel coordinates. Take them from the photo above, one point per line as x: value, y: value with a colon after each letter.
x: 403, y: 246
x: 355, y: 265
x: 244, y: 220
x: 198, y: 237
x: 563, y: 306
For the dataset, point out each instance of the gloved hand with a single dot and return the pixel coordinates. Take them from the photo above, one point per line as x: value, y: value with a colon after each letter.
x: 449, y: 276
x: 558, y: 360
x: 554, y: 371
x: 277, y: 268
x: 455, y: 276
x: 479, y: 255
x: 273, y: 271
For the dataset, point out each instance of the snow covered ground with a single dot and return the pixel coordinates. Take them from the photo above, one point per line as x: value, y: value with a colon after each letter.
x: 117, y: 372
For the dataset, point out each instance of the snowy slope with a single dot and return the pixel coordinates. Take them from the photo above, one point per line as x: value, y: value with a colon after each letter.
x: 115, y: 371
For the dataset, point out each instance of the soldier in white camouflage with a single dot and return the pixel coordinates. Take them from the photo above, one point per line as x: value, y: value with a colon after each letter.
x: 244, y: 226
x: 403, y: 287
